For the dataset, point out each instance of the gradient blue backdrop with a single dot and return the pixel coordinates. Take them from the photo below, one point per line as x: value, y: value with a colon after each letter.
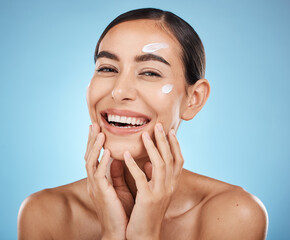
x: 241, y: 135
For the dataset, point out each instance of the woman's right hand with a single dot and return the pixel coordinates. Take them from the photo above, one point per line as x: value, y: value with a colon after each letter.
x: 109, y: 209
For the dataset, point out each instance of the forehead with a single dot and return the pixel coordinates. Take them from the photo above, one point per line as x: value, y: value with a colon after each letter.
x: 131, y: 36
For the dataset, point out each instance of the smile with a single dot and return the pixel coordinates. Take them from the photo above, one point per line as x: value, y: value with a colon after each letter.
x: 124, y: 121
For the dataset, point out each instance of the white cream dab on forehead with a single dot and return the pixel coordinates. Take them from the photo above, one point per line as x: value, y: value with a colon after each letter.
x: 167, y: 88
x: 152, y: 47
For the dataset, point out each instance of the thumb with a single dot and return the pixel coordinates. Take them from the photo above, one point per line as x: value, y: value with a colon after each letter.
x: 148, y: 169
x: 117, y: 174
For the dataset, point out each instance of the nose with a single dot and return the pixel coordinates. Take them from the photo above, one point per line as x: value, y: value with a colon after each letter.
x: 124, y: 90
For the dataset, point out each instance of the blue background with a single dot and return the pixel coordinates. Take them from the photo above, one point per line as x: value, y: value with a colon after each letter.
x: 241, y: 135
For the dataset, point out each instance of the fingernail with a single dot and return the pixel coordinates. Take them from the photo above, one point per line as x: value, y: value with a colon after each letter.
x: 159, y: 127
x: 127, y: 154
x: 146, y: 135
x: 172, y: 132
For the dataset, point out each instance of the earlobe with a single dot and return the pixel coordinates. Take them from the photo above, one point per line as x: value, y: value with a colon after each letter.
x: 197, y: 95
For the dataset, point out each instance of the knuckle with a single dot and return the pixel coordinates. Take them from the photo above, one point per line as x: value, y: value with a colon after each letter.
x: 96, y: 144
x: 87, y: 167
x: 181, y: 161
x: 163, y: 138
x: 170, y: 158
x: 158, y: 197
x: 176, y: 142
x: 141, y: 176
x: 161, y: 164
x: 97, y: 174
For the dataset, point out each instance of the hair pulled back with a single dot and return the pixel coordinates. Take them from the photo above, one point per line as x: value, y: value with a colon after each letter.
x: 193, y: 55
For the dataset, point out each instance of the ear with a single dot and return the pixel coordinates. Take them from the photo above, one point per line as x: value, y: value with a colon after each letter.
x: 197, y: 95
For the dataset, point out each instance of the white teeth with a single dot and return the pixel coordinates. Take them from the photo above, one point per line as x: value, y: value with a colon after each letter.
x: 117, y: 119
x: 133, y: 121
x: 123, y: 120
x: 128, y: 120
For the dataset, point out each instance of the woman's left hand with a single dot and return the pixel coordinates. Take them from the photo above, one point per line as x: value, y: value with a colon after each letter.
x: 153, y: 197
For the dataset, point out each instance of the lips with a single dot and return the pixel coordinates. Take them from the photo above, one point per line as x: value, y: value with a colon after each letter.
x: 123, y: 122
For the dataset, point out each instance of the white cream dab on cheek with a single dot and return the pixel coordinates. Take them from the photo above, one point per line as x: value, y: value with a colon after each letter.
x: 167, y: 88
x: 152, y: 47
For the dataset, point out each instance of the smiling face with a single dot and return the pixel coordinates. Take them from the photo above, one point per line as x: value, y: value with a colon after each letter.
x: 127, y: 85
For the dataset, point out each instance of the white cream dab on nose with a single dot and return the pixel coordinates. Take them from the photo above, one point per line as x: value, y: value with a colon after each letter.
x: 167, y: 88
x: 152, y: 47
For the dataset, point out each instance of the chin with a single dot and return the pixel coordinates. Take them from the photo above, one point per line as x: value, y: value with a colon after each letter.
x: 118, y: 148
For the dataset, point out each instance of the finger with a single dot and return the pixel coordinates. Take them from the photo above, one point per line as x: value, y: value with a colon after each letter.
x: 158, y: 171
x: 117, y: 174
x: 177, y: 155
x: 102, y: 168
x: 148, y: 170
x: 89, y: 135
x: 164, y: 150
x: 136, y: 172
x: 89, y: 138
x: 92, y: 162
x: 94, y: 130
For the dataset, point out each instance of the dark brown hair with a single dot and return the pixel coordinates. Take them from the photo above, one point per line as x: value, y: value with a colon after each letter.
x: 193, y: 55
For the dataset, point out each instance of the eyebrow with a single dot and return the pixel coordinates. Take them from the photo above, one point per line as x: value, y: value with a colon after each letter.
x: 106, y: 54
x: 139, y: 58
x: 151, y: 57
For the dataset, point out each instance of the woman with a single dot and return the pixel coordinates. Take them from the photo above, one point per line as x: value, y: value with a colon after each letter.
x: 150, y: 67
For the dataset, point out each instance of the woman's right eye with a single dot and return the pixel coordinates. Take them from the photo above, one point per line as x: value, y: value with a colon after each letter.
x: 106, y: 69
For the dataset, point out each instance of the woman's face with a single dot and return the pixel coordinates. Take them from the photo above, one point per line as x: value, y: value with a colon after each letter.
x: 128, y: 83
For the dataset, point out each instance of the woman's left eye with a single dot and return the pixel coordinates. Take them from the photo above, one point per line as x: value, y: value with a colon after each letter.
x: 151, y: 74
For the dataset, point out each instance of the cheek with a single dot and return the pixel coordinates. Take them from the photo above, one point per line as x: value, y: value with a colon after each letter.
x: 94, y: 95
x: 154, y: 94
x: 164, y: 100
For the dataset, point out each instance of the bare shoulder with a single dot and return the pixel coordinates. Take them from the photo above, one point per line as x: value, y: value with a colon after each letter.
x: 233, y: 214
x: 42, y: 213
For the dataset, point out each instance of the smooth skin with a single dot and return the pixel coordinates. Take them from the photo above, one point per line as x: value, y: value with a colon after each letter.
x: 144, y: 193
